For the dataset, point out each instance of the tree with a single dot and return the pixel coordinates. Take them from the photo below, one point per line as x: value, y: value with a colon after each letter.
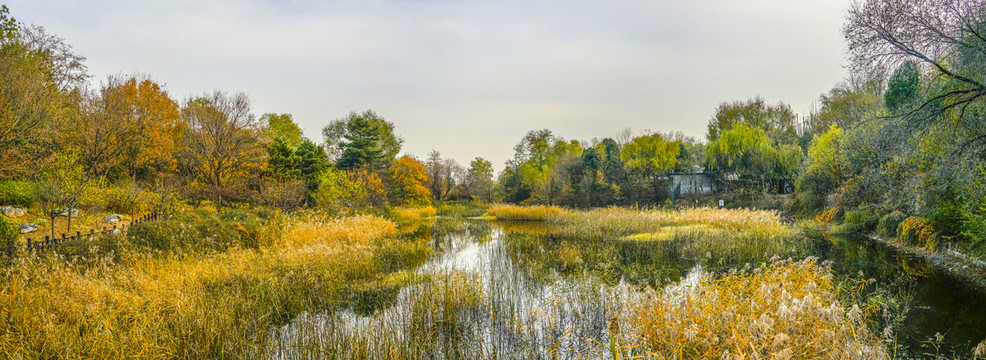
x: 352, y: 189
x: 130, y: 127
x: 844, y: 106
x: 61, y: 183
x: 281, y: 126
x: 31, y: 105
x: 8, y: 25
x: 368, y: 137
x: 747, y: 152
x: 312, y: 162
x: 65, y: 69
x: 650, y: 156
x: 945, y: 36
x: 408, y: 176
x: 824, y: 169
x: 777, y: 121
x: 220, y: 141
x: 443, y: 175
x: 903, y: 86
x: 479, y: 180
x: 361, y: 147
x: 282, y: 161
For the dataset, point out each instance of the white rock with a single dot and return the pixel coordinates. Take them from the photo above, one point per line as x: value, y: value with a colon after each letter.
x: 112, y: 218
x: 12, y: 211
x: 27, y: 227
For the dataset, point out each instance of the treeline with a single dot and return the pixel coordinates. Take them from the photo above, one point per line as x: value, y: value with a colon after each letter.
x: 126, y: 145
x: 898, y: 148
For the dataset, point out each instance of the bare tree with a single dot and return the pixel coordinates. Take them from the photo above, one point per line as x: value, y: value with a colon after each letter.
x: 220, y: 141
x: 946, y: 36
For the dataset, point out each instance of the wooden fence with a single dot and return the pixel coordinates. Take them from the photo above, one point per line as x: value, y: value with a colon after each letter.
x: 50, y: 243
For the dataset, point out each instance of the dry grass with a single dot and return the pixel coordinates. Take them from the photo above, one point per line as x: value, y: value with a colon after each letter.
x: 212, y: 306
x: 788, y: 310
x: 525, y: 213
x: 408, y: 214
x: 726, y: 235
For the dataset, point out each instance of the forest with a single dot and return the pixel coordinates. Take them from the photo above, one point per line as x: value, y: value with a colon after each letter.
x: 251, y: 214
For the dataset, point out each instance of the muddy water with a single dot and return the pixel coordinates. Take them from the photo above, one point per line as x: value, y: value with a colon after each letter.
x: 555, y: 297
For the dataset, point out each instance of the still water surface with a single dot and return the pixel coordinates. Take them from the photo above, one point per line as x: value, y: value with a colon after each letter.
x: 557, y: 297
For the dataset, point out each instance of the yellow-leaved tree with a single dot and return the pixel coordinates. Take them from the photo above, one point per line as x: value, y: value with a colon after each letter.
x: 409, y: 176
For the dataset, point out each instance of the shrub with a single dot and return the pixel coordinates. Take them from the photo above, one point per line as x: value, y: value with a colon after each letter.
x: 917, y: 231
x: 16, y: 192
x: 830, y: 215
x: 122, y: 199
x: 860, y: 220
x: 197, y: 232
x: 887, y: 226
x: 8, y: 236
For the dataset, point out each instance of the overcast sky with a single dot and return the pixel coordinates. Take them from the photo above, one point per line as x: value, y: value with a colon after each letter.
x: 468, y: 78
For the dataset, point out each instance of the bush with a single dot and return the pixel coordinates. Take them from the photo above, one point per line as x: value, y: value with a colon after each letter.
x: 256, y: 228
x: 17, y: 193
x: 887, y: 226
x: 8, y: 236
x: 917, y: 231
x: 122, y: 199
x: 860, y: 220
x: 195, y: 232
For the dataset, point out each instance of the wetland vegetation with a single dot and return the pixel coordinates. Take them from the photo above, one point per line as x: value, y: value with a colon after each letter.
x: 853, y: 232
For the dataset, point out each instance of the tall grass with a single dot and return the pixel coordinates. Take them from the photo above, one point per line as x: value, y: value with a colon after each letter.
x: 193, y: 306
x: 787, y: 310
x: 725, y: 236
x: 525, y: 213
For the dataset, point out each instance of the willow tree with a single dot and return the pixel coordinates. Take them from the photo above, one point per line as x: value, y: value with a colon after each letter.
x: 747, y: 153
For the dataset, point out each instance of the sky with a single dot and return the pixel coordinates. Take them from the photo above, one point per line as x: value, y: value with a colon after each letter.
x: 468, y: 78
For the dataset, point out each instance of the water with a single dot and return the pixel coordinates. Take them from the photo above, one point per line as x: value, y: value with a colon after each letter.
x: 927, y: 301
x: 519, y: 291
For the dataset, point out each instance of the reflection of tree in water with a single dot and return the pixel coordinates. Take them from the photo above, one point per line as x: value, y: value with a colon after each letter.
x: 546, y: 258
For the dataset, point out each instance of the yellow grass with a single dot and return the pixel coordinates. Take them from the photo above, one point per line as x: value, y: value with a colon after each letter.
x: 525, y: 213
x: 781, y: 311
x: 211, y: 306
x: 408, y: 214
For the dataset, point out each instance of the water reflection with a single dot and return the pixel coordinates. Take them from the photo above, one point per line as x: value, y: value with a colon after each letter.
x: 922, y: 301
x: 512, y: 290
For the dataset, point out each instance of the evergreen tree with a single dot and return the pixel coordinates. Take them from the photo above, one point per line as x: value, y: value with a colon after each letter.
x: 283, y: 161
x: 361, y: 146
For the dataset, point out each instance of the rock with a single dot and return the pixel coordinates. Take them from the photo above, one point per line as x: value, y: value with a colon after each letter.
x: 13, y: 211
x: 112, y: 218
x: 65, y: 212
x: 27, y: 227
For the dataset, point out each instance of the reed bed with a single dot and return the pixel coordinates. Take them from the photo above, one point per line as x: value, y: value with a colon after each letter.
x: 410, y: 214
x: 525, y: 213
x: 724, y: 236
x: 786, y: 310
x: 193, y: 306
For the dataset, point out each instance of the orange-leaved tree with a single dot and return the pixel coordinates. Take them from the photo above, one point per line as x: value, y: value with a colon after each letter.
x: 409, y: 176
x: 130, y: 127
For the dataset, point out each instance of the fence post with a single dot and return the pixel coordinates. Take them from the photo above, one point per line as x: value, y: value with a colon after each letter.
x: 78, y: 235
x: 63, y: 238
x: 28, y: 249
x: 104, y: 229
x: 44, y: 245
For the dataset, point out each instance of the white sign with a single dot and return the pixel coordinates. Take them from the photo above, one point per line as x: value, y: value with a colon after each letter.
x: 722, y: 203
